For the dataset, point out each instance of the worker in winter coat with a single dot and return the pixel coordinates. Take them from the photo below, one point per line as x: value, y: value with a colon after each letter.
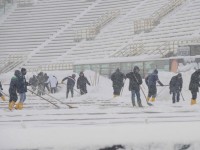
x: 151, y: 81
x: 46, y: 84
x: 1, y: 95
x: 70, y: 84
x: 52, y: 80
x: 33, y: 82
x: 81, y: 83
x: 175, y: 87
x: 22, y: 89
x: 134, y: 85
x: 41, y: 82
x: 194, y: 85
x: 118, y: 82
x: 14, y: 85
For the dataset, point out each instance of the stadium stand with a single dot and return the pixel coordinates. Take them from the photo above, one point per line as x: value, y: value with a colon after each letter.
x: 45, y: 30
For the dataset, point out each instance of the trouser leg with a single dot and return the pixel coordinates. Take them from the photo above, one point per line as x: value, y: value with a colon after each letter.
x: 67, y: 92
x: 174, y: 97
x: 133, y: 97
x: 72, y: 92
x: 138, y: 98
x: 178, y: 96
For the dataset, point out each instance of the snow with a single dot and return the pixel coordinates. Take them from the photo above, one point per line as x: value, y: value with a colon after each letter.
x: 120, y: 59
x: 94, y: 137
x: 101, y: 121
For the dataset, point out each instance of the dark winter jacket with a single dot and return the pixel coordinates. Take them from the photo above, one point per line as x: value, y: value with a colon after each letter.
x: 14, y: 84
x: 135, y: 80
x: 151, y: 79
x: 70, y: 82
x: 45, y: 77
x: 33, y: 81
x: 194, y: 81
x: 1, y: 86
x: 41, y: 79
x: 81, y: 82
x: 175, y: 84
x: 22, y: 88
x: 117, y: 79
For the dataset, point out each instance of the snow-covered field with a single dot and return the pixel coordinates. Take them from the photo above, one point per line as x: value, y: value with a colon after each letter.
x: 99, y: 121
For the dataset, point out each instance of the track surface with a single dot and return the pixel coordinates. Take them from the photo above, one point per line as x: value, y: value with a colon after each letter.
x: 40, y: 113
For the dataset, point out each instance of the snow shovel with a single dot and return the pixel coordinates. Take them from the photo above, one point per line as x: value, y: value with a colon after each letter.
x: 146, y: 97
x: 143, y: 92
x: 182, y: 96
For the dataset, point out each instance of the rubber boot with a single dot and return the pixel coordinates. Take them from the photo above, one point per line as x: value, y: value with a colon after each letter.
x: 3, y: 98
x: 11, y: 105
x: 193, y: 102
x: 153, y: 99
x: 19, y: 106
x: 114, y: 96
x: 148, y: 99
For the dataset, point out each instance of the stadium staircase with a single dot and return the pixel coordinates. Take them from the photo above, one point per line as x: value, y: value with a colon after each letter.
x: 56, y: 32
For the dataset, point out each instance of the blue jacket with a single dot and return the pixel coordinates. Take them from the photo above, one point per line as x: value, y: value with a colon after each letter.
x: 151, y: 79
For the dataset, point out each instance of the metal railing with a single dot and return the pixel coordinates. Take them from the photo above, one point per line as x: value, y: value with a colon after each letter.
x: 130, y: 50
x: 4, y: 5
x: 170, y: 48
x: 24, y: 3
x: 167, y: 49
x: 147, y: 24
x: 91, y: 31
x: 11, y: 62
x: 51, y: 67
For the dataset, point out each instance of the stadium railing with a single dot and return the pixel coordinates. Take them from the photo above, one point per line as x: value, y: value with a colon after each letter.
x: 91, y: 31
x: 147, y: 24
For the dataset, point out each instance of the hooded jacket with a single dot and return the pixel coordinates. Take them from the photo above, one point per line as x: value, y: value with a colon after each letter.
x: 135, y: 79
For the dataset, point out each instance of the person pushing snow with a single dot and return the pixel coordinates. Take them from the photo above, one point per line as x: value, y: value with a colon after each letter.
x: 175, y: 87
x: 14, y: 85
x: 151, y: 83
x: 52, y: 80
x: 194, y: 85
x: 134, y: 85
x: 81, y: 83
x: 118, y: 82
x: 1, y: 95
x: 22, y: 89
x: 70, y: 84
